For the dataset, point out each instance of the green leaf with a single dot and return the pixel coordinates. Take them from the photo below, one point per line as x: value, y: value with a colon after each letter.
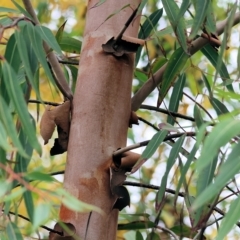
x: 142, y: 5
x: 28, y: 57
x: 59, y: 33
x: 210, y: 24
x: 3, y: 90
x: 158, y: 63
x: 174, y: 67
x: 71, y: 73
x: 37, y: 45
x: 28, y: 200
x: 201, y: 8
x: 12, y: 195
x: 41, y: 215
x: 197, y: 116
x: 185, y: 168
x: 207, y: 84
x: 183, y: 231
x: 21, y: 9
x: 70, y: 44
x: 238, y: 58
x: 221, y: 134
x: 231, y: 218
x: 184, y: 6
x: 153, y: 236
x: 147, y: 28
x: 136, y: 225
x: 17, y: 98
x: 49, y: 38
x: 140, y: 75
x: 139, y: 236
x: 5, y: 187
x: 8, y: 123
x: 3, y: 136
x: 176, y: 97
x: 213, y: 57
x: 5, y: 9
x: 74, y: 204
x: 40, y: 176
x: 219, y: 107
x: 171, y: 160
x: 151, y: 148
x: 3, y: 236
x: 205, y: 177
x: 13, y: 232
x: 12, y: 53
x: 3, y: 160
x: 177, y: 23
x: 22, y: 162
x: 169, y: 30
x: 5, y: 21
x: 227, y: 171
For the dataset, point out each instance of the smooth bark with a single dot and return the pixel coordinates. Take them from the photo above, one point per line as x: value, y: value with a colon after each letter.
x: 101, y: 111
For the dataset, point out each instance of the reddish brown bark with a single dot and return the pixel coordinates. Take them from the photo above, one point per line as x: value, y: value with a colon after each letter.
x: 101, y: 111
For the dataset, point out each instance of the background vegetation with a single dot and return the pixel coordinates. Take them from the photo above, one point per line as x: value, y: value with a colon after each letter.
x: 189, y: 185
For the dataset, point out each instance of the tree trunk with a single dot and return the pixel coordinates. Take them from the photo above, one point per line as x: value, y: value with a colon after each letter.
x: 101, y: 111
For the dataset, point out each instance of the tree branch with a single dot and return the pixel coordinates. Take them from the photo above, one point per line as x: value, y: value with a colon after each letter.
x: 60, y: 78
x: 43, y: 102
x: 156, y: 79
x: 145, y: 143
x: 173, y: 114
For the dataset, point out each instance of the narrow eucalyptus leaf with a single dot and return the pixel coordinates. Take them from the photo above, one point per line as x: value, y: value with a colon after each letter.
x: 174, y: 67
x: 177, y: 22
x: 201, y: 8
x: 225, y: 131
x: 8, y: 123
x: 49, y: 38
x: 176, y: 97
x: 176, y: 149
x: 12, y: 53
x: 17, y: 98
x: 213, y: 57
x: 231, y: 218
x: 151, y: 148
x: 13, y: 231
x: 227, y: 171
x: 146, y: 29
x: 219, y: 107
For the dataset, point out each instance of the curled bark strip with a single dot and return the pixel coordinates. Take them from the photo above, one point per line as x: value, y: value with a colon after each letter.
x: 60, y: 117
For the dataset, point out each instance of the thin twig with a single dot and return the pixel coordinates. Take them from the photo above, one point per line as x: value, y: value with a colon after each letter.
x: 148, y: 123
x: 88, y: 221
x: 145, y: 143
x: 174, y: 114
x: 68, y: 62
x: 188, y: 96
x: 168, y: 231
x: 43, y: 102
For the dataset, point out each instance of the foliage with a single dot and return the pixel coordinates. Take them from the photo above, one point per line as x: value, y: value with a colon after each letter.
x: 198, y: 90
